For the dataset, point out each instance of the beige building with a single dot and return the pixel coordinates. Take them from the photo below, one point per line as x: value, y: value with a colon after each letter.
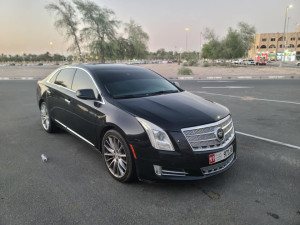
x: 271, y: 46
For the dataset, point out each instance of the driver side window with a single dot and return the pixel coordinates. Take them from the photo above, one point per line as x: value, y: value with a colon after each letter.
x: 83, y: 81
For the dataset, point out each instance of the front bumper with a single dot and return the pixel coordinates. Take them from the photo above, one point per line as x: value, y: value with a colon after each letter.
x: 182, y: 164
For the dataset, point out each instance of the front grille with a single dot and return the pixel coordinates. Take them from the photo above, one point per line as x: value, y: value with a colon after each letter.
x: 217, y: 167
x: 203, y: 138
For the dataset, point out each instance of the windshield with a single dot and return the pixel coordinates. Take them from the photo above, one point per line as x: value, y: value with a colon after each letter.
x: 133, y: 83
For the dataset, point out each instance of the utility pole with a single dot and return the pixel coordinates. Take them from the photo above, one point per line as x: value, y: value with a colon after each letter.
x: 284, y: 31
x: 186, y: 38
x: 200, y: 46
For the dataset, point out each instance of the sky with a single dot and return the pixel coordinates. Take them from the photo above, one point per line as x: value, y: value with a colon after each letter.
x: 26, y: 26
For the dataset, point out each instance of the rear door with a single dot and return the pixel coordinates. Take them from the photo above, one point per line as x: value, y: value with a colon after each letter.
x: 58, y: 95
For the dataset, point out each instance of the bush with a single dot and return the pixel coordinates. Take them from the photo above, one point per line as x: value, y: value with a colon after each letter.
x: 185, y: 71
x: 206, y: 64
x: 193, y: 62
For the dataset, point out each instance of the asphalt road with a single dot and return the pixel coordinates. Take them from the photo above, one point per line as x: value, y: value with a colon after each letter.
x: 73, y: 187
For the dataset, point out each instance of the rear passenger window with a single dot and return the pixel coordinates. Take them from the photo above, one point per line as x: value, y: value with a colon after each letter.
x: 65, y: 78
x: 83, y: 81
x: 53, y: 78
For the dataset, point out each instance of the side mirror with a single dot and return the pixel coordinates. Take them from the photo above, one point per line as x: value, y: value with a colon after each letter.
x: 177, y: 84
x: 87, y: 94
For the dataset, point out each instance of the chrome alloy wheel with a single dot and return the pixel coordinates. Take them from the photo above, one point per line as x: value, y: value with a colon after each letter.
x: 115, y: 156
x: 45, y: 116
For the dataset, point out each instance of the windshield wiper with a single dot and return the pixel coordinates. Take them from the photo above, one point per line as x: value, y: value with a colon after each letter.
x: 130, y: 96
x: 164, y: 92
x: 145, y: 94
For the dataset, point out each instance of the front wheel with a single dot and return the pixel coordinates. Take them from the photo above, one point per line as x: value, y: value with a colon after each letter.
x: 117, y: 156
x: 46, y: 120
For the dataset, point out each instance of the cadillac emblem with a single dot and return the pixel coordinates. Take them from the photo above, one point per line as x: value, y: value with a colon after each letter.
x: 219, y: 133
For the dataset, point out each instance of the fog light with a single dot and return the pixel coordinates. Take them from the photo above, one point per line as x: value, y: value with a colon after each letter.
x: 157, y: 170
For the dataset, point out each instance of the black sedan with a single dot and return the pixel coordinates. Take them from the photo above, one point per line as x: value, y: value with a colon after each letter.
x: 145, y: 126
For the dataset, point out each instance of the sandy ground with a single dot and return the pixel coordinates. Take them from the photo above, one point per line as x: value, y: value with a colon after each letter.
x: 170, y: 71
x: 167, y: 70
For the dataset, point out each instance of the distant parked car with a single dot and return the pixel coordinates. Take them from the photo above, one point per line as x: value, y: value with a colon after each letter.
x: 235, y: 61
x: 241, y: 61
x: 298, y: 63
x: 219, y: 61
x: 261, y: 62
x: 249, y: 62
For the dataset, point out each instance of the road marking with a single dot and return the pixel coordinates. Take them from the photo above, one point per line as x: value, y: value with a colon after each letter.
x: 214, y: 77
x: 244, y: 77
x: 275, y: 77
x: 214, y: 81
x: 232, y: 87
x: 20, y: 78
x: 269, y: 140
x: 247, y: 97
x: 185, y: 78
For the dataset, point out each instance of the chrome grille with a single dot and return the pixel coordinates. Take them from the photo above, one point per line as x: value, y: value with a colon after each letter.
x: 203, y: 138
x: 217, y: 167
x: 173, y: 173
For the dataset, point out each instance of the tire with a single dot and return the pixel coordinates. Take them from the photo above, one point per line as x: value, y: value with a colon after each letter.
x: 46, y: 120
x: 117, y: 157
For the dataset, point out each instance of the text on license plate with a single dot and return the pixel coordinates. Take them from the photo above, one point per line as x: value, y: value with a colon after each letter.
x: 219, y: 156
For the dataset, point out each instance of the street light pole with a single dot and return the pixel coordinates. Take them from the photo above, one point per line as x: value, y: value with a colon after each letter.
x: 200, y: 46
x: 51, y: 45
x: 186, y: 38
x: 284, y: 32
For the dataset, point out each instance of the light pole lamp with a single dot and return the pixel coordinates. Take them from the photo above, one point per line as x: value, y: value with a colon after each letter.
x: 285, y: 34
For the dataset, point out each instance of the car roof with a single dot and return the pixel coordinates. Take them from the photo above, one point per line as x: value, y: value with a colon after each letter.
x: 91, y: 67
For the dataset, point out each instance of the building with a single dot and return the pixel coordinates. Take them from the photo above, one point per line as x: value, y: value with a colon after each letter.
x: 271, y: 46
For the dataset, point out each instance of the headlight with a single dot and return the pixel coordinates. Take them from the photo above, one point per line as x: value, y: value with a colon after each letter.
x: 158, y: 137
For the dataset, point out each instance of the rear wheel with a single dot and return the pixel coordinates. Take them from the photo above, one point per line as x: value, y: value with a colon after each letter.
x: 47, y: 123
x: 117, y: 156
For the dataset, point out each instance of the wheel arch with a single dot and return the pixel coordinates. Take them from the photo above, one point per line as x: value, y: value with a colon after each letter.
x: 40, y: 102
x: 108, y: 127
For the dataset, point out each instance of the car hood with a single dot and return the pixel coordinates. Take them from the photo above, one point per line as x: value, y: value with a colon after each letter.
x: 175, y: 111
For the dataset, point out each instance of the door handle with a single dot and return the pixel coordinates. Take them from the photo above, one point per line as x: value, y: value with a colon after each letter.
x: 67, y: 101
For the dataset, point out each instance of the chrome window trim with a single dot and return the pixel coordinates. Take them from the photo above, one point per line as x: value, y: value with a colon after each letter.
x: 73, y: 132
x: 75, y: 67
x: 52, y: 74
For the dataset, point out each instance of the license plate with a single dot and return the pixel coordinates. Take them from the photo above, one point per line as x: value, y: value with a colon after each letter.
x: 219, y: 156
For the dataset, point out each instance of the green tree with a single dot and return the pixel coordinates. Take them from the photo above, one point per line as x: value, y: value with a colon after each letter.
x: 66, y: 21
x: 161, y: 54
x: 122, y: 48
x: 212, y: 50
x: 209, y: 34
x: 233, y: 46
x: 247, y: 33
x: 138, y: 40
x: 100, y: 27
